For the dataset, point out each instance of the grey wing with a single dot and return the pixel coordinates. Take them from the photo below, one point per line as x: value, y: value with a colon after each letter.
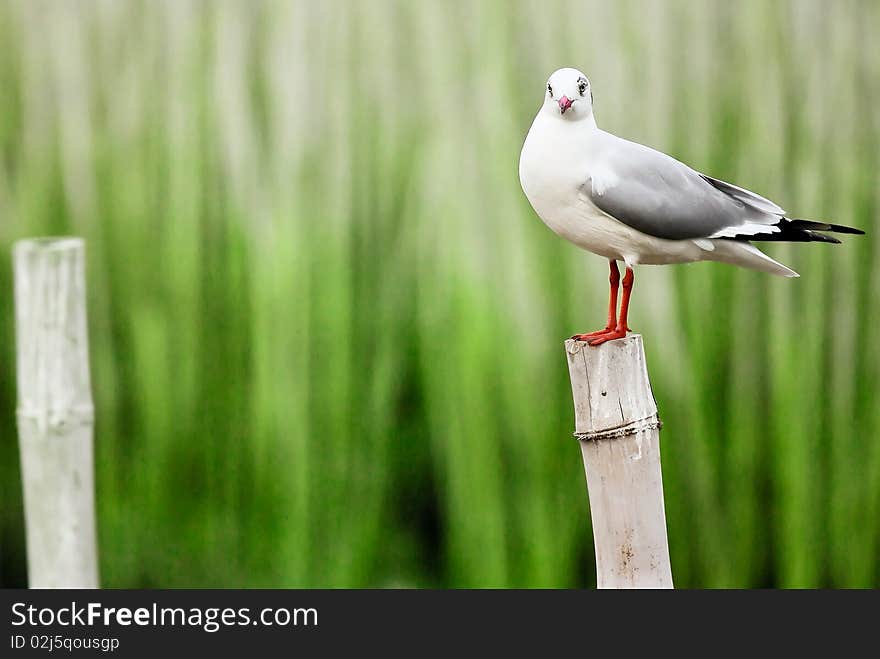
x: 662, y: 197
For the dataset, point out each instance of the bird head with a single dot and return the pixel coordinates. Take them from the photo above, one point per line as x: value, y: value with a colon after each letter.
x: 568, y: 95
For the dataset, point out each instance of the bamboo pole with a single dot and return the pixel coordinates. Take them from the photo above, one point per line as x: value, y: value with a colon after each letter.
x: 618, y: 429
x: 55, y: 413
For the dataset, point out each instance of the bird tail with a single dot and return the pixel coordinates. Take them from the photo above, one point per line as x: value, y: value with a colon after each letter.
x: 742, y: 253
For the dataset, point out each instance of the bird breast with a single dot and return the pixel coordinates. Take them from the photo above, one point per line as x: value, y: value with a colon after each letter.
x: 554, y: 174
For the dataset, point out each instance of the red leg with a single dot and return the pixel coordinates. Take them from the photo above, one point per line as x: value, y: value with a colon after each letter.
x: 614, y: 280
x: 620, y: 331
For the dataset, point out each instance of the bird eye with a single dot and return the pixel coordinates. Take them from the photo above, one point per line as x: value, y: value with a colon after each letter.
x: 549, y: 89
x: 582, y: 87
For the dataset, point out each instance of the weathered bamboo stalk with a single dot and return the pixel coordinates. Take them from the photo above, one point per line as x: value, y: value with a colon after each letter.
x: 618, y: 429
x: 55, y: 413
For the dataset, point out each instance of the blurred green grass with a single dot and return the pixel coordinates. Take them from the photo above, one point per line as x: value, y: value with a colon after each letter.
x: 327, y: 328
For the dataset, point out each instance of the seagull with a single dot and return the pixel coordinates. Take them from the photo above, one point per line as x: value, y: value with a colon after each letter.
x: 627, y: 202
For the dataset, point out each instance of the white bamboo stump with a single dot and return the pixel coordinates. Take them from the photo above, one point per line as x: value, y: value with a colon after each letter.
x: 618, y: 429
x: 55, y: 414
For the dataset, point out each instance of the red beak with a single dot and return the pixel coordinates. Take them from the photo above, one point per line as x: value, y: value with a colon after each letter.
x: 564, y: 103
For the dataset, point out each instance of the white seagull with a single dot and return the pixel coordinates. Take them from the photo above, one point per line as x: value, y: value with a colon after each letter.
x: 628, y: 202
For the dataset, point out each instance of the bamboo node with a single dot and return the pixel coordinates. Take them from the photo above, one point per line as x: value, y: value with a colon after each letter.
x: 632, y: 428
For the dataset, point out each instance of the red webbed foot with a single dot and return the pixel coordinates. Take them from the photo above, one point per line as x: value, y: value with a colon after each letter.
x: 592, y: 335
x: 616, y: 333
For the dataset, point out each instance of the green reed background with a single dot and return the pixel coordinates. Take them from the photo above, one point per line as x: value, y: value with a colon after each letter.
x: 327, y: 328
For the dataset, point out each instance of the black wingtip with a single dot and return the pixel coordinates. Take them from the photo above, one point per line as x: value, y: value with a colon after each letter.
x: 824, y: 226
x: 803, y: 231
x: 815, y: 236
x: 839, y: 228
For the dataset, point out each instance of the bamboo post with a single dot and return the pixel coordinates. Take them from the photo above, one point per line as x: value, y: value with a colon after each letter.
x: 618, y: 429
x: 55, y: 414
